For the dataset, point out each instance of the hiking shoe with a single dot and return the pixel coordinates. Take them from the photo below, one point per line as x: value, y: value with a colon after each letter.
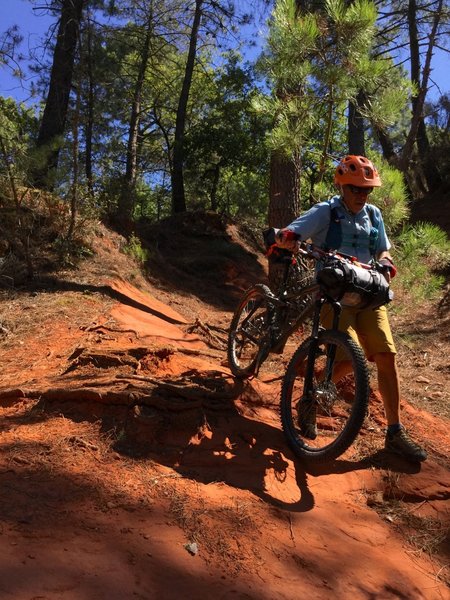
x: 400, y: 443
x: 307, y: 418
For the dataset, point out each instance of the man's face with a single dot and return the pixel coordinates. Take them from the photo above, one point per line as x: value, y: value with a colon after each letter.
x: 355, y: 197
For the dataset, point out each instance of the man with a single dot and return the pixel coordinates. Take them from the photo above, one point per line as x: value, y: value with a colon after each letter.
x: 348, y: 224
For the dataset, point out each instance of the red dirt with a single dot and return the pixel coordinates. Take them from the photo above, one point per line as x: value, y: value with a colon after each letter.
x: 133, y: 465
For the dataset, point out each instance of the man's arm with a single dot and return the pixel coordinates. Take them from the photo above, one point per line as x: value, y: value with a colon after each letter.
x: 312, y: 224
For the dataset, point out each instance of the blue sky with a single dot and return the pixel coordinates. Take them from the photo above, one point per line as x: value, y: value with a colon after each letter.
x: 34, y: 24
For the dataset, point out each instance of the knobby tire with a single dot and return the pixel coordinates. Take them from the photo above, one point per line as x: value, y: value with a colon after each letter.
x: 249, y: 333
x: 341, y: 408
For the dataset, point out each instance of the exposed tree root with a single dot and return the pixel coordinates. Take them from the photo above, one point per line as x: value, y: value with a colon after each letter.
x: 206, y: 333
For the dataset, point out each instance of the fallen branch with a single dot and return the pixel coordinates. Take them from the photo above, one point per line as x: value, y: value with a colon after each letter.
x: 74, y: 439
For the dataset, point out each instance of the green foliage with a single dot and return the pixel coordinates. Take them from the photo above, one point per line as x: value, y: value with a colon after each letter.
x: 438, y: 121
x: 424, y: 241
x: 391, y: 197
x: 387, y: 94
x: 244, y: 193
x: 135, y: 249
x: 318, y: 62
x: 422, y: 250
x: 71, y: 252
x: 226, y: 155
x: 292, y: 43
x: 17, y: 127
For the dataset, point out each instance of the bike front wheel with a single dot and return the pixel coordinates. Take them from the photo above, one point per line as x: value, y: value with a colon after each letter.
x: 322, y: 419
x: 249, y: 333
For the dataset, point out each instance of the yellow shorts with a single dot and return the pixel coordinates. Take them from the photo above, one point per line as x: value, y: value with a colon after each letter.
x: 369, y: 328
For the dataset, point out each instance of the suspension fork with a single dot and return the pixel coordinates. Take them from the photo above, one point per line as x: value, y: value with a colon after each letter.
x: 331, y: 350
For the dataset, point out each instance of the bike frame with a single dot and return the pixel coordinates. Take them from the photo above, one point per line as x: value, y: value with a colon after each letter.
x: 311, y: 251
x: 278, y: 331
x: 283, y: 301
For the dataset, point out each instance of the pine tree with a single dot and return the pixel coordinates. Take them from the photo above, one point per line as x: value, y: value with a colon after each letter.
x: 54, y: 118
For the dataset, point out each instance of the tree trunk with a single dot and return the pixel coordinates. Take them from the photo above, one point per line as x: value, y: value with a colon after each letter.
x: 430, y: 170
x: 178, y: 197
x: 387, y: 146
x: 128, y: 193
x: 89, y: 129
x: 419, y: 100
x: 215, y: 185
x: 75, y: 163
x: 430, y: 167
x: 284, y: 200
x: 56, y: 106
x: 356, y: 142
x: 284, y: 195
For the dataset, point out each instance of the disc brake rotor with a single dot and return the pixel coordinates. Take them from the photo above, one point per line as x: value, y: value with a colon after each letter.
x: 325, y: 394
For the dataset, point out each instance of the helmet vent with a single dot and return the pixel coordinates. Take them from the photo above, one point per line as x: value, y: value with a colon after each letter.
x: 356, y: 170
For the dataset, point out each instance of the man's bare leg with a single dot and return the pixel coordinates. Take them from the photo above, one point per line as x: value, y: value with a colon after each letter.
x: 388, y: 384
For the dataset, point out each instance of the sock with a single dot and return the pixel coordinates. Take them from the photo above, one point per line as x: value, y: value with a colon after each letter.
x: 394, y: 428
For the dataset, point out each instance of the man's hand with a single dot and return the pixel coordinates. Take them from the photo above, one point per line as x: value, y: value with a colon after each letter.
x: 287, y: 239
x: 387, y: 268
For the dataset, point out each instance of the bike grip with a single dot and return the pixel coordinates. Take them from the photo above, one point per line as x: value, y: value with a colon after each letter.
x: 291, y: 235
x: 388, y: 265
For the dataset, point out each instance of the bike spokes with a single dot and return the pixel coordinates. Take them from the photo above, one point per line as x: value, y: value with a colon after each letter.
x: 322, y: 418
x: 249, y: 333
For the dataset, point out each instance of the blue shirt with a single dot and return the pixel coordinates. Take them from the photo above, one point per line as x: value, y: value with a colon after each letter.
x: 313, y: 225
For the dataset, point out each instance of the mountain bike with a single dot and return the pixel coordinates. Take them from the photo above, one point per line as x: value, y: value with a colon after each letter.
x: 263, y: 320
x: 325, y: 390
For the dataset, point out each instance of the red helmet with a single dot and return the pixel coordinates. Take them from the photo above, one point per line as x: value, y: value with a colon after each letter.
x: 357, y: 170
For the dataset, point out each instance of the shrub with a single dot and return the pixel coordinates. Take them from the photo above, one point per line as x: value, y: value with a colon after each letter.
x: 423, y: 250
x: 134, y: 248
x: 391, y: 197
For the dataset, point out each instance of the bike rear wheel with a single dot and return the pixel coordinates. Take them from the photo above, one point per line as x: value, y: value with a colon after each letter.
x: 249, y: 333
x: 338, y: 408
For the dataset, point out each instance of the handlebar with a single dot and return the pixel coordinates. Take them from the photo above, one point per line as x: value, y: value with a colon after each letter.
x: 310, y: 250
x: 343, y: 277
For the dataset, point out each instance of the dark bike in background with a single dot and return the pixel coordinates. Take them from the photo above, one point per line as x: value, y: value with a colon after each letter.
x: 263, y: 320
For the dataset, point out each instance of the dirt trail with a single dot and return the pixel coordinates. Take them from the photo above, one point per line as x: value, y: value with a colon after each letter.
x: 133, y: 465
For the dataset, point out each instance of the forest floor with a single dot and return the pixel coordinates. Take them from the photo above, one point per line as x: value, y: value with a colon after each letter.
x: 133, y: 465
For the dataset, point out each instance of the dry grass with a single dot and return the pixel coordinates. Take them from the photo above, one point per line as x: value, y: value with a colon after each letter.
x: 425, y: 535
x: 423, y: 343
x: 224, y: 533
x: 22, y: 315
x: 430, y: 537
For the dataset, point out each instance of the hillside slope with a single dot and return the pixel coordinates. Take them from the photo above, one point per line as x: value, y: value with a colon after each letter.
x: 133, y: 465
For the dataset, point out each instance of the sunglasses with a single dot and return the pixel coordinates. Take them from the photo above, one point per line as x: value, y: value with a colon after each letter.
x: 360, y: 190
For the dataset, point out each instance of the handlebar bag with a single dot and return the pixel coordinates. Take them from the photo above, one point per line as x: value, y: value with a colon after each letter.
x: 354, y: 286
